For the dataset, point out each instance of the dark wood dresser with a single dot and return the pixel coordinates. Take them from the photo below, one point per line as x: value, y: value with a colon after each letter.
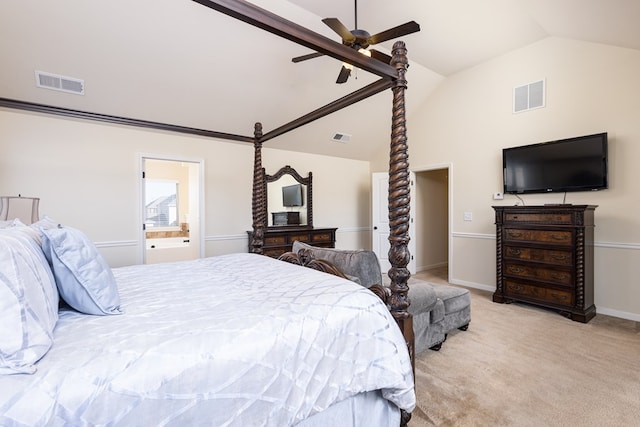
x: 278, y: 240
x: 545, y: 257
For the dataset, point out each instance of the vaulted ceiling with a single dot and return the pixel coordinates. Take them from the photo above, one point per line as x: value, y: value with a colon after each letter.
x: 180, y: 63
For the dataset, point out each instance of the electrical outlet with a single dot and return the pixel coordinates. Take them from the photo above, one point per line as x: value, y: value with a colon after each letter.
x: 498, y: 196
x: 468, y: 216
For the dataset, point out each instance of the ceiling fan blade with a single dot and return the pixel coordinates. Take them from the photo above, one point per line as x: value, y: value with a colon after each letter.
x: 344, y: 75
x: 382, y: 57
x: 392, y: 33
x: 308, y: 56
x: 338, y: 27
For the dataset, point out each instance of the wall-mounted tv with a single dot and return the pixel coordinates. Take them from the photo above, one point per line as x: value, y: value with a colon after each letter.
x: 292, y: 195
x: 573, y: 164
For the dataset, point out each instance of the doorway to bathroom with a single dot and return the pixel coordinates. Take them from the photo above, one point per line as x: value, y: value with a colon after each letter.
x: 171, y: 207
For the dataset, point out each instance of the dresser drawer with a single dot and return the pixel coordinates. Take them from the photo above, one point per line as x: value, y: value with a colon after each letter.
x: 558, y: 237
x: 301, y: 237
x: 559, y: 277
x: 544, y: 218
x: 275, y: 240
x: 516, y: 288
x: 555, y: 257
x: 545, y: 294
x: 321, y: 238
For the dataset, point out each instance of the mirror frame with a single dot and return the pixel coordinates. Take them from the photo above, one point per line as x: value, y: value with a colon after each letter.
x: 288, y: 170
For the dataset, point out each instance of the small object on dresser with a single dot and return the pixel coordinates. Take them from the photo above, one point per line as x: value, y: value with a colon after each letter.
x: 285, y: 218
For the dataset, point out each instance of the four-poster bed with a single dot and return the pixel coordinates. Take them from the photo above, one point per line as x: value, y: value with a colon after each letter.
x: 392, y: 77
x: 399, y: 196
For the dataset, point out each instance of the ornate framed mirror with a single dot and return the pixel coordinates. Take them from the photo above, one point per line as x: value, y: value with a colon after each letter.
x: 289, y: 199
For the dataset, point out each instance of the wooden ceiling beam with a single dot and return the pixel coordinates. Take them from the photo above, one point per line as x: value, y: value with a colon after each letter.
x: 118, y: 120
x: 345, y: 101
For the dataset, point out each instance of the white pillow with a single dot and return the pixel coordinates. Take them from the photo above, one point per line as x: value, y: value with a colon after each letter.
x: 46, y: 222
x: 83, y: 277
x: 42, y: 224
x: 28, y: 302
x: 10, y: 223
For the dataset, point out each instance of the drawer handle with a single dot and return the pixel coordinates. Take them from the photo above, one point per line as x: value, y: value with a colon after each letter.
x: 516, y: 270
x: 559, y: 276
x: 560, y: 257
x: 559, y: 237
x: 517, y: 288
x: 559, y: 296
x: 515, y: 234
x: 514, y: 251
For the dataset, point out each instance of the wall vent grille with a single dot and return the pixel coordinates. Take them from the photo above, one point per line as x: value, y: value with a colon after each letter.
x: 341, y: 137
x: 60, y: 83
x: 529, y: 96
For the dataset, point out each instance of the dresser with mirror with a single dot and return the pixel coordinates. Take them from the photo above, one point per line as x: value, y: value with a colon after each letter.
x: 289, y: 213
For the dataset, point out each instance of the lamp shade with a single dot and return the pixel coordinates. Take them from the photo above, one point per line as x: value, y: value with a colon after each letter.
x: 23, y: 208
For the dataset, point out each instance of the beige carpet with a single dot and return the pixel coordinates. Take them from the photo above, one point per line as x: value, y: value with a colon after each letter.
x: 520, y: 365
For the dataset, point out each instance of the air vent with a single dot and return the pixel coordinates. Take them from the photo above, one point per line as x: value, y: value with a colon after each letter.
x: 528, y: 97
x: 341, y: 137
x: 60, y: 83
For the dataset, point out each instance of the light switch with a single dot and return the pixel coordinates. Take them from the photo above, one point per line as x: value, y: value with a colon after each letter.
x: 468, y: 216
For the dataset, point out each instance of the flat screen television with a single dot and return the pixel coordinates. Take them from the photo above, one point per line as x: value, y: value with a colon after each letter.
x: 573, y: 164
x: 292, y: 195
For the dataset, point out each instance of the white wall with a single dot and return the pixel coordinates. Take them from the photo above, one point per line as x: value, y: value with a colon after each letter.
x: 467, y: 121
x: 86, y: 174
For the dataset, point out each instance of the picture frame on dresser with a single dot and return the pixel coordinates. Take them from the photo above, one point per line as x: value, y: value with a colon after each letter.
x: 545, y: 256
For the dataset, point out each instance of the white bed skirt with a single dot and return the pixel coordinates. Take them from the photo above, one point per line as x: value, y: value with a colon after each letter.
x: 367, y: 409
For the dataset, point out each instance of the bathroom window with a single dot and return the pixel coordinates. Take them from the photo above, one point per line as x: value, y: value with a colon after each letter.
x: 161, y: 204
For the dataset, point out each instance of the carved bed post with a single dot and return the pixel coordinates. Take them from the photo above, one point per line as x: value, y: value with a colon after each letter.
x: 258, y: 202
x: 399, y: 199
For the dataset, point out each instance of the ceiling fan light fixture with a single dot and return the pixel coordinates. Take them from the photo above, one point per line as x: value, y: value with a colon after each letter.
x: 365, y: 52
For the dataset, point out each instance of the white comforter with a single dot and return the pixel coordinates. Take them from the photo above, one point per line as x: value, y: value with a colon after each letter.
x: 240, y: 340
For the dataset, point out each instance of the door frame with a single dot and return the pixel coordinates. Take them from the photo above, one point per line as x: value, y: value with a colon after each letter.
x: 377, y: 227
x: 449, y: 168
x: 142, y: 253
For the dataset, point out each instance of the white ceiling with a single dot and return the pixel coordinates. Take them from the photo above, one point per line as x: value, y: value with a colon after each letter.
x: 181, y: 63
x: 457, y: 34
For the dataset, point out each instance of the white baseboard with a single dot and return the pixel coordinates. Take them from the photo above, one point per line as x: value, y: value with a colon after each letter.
x: 617, y: 313
x: 431, y: 266
x: 474, y: 285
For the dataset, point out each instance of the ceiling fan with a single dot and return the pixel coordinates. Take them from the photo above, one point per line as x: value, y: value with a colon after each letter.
x: 360, y: 40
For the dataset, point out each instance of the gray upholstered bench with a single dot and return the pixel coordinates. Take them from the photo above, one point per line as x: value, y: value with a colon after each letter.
x: 436, y: 309
x: 456, y: 307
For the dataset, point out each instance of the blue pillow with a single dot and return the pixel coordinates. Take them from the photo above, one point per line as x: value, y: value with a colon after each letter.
x: 83, y: 277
